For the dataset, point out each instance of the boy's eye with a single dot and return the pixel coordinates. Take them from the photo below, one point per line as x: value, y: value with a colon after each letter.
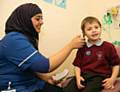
x: 89, y: 29
x: 96, y: 27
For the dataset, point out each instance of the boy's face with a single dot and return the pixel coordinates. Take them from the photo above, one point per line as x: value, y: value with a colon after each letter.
x: 92, y: 31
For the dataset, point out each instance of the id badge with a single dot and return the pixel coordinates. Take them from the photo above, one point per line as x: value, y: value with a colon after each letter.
x: 9, y: 89
x: 12, y: 90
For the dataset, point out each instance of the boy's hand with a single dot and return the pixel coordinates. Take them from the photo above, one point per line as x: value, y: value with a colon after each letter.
x: 108, y: 83
x: 79, y: 85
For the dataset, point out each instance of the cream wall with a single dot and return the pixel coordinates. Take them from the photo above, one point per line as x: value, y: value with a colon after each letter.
x: 61, y: 25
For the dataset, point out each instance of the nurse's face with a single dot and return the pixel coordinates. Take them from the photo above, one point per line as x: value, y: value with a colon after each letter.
x: 37, y: 22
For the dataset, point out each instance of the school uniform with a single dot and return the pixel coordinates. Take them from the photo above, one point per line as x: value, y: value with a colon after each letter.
x: 96, y: 62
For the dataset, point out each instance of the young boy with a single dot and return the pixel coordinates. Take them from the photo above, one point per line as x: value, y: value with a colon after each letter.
x: 97, y: 63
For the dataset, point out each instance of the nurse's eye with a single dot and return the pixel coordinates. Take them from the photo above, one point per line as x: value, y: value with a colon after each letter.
x: 37, y: 19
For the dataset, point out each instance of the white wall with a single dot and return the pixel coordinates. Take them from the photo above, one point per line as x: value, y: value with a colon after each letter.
x: 61, y: 25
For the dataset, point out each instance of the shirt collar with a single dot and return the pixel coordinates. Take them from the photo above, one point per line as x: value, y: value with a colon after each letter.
x: 98, y: 43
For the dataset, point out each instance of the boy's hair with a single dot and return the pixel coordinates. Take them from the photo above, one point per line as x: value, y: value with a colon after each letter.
x: 89, y: 19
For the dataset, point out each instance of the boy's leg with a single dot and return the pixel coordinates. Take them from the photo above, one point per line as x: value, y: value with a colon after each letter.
x: 51, y: 88
x: 71, y: 87
x: 94, y: 84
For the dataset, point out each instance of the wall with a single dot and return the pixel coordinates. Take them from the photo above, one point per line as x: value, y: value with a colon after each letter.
x: 61, y: 24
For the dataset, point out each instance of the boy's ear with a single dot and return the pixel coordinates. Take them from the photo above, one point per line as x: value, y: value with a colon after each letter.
x: 83, y: 35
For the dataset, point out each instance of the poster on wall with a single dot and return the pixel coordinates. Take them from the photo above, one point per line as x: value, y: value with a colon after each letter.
x: 48, y: 1
x: 111, y: 22
x: 58, y: 3
x: 112, y: 17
